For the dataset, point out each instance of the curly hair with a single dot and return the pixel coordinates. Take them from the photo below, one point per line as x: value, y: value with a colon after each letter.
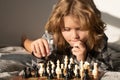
x: 89, y: 18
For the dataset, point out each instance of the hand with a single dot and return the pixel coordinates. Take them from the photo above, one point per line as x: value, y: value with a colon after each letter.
x: 79, y: 50
x: 40, y: 47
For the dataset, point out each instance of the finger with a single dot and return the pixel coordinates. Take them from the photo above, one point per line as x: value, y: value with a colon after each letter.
x: 37, y: 50
x: 42, y: 49
x: 46, y: 46
x: 75, y: 49
x: 79, y: 44
x: 33, y: 48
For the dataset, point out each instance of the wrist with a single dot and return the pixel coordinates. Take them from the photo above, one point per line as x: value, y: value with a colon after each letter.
x: 81, y: 57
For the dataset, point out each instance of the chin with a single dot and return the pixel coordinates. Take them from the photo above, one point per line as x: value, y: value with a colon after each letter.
x: 71, y: 44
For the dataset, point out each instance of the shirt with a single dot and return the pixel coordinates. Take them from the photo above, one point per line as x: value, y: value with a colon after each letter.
x: 102, y: 57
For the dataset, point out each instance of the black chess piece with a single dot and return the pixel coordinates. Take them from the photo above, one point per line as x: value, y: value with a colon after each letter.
x: 86, y: 75
x: 54, y: 73
x: 50, y: 76
x: 72, y: 67
x: 45, y: 71
x: 34, y: 66
x: 25, y: 73
x: 29, y: 72
x: 36, y: 72
x: 62, y: 74
x: 70, y: 73
x: 78, y: 75
x: 67, y: 77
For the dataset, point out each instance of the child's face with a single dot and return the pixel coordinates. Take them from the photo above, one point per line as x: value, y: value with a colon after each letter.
x: 72, y: 32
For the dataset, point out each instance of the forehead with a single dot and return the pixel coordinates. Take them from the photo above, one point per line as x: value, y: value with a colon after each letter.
x: 76, y: 21
x: 71, y: 20
x: 71, y: 17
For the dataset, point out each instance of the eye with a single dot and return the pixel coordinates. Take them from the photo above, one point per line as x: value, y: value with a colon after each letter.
x: 78, y: 28
x: 66, y: 29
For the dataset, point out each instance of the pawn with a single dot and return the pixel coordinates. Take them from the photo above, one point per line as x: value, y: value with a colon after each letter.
x: 86, y: 75
x: 50, y: 76
x: 65, y: 65
x: 36, y: 72
x: 70, y: 71
x: 29, y: 72
x: 41, y: 70
x: 81, y: 70
x: 76, y: 71
x: 67, y: 76
x: 62, y: 71
x: 45, y: 70
x: 53, y: 69
x: 25, y: 73
x: 95, y: 71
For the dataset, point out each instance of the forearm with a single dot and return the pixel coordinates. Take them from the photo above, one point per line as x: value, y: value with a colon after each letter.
x: 80, y: 58
x: 27, y: 45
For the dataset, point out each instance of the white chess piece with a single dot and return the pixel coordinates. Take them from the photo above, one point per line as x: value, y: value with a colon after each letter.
x: 53, y: 67
x: 81, y: 70
x: 58, y: 70
x: 41, y: 70
x: 71, y: 61
x: 95, y: 71
x: 66, y: 61
x: 75, y: 70
x: 65, y: 65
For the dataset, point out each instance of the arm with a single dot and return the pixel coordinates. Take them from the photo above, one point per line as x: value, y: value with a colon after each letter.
x: 79, y: 50
x: 39, y: 47
x: 27, y: 45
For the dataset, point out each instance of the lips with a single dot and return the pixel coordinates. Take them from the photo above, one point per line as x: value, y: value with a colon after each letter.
x: 73, y: 42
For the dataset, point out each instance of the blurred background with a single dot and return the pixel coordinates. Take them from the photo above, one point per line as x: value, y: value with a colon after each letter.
x: 28, y: 17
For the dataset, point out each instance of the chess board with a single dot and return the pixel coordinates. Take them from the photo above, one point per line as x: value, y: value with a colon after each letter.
x: 40, y: 78
x: 66, y: 71
x: 32, y: 78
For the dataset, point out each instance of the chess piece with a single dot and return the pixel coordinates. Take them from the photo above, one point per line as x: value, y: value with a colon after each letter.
x: 95, y: 72
x: 49, y: 71
x: 58, y: 70
x: 41, y: 69
x: 45, y: 69
x: 87, y: 67
x: 76, y: 71
x: 81, y: 70
x: 71, y: 61
x: 36, y: 72
x: 86, y: 75
x: 62, y: 71
x: 53, y: 69
x: 70, y: 72
x: 25, y: 73
x: 65, y: 65
x: 72, y: 66
x: 29, y: 72
x: 67, y: 74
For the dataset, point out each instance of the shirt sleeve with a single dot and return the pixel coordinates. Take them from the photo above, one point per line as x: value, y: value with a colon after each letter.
x: 104, y: 61
x: 102, y: 57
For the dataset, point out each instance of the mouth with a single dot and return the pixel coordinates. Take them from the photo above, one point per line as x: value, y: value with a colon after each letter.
x: 73, y: 42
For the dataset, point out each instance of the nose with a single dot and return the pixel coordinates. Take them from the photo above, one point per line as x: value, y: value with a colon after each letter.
x: 75, y: 34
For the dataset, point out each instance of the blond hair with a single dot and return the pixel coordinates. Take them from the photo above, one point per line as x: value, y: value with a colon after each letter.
x: 88, y: 15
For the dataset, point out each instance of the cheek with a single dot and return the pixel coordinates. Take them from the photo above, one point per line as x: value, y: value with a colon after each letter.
x: 65, y: 35
x: 84, y: 36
